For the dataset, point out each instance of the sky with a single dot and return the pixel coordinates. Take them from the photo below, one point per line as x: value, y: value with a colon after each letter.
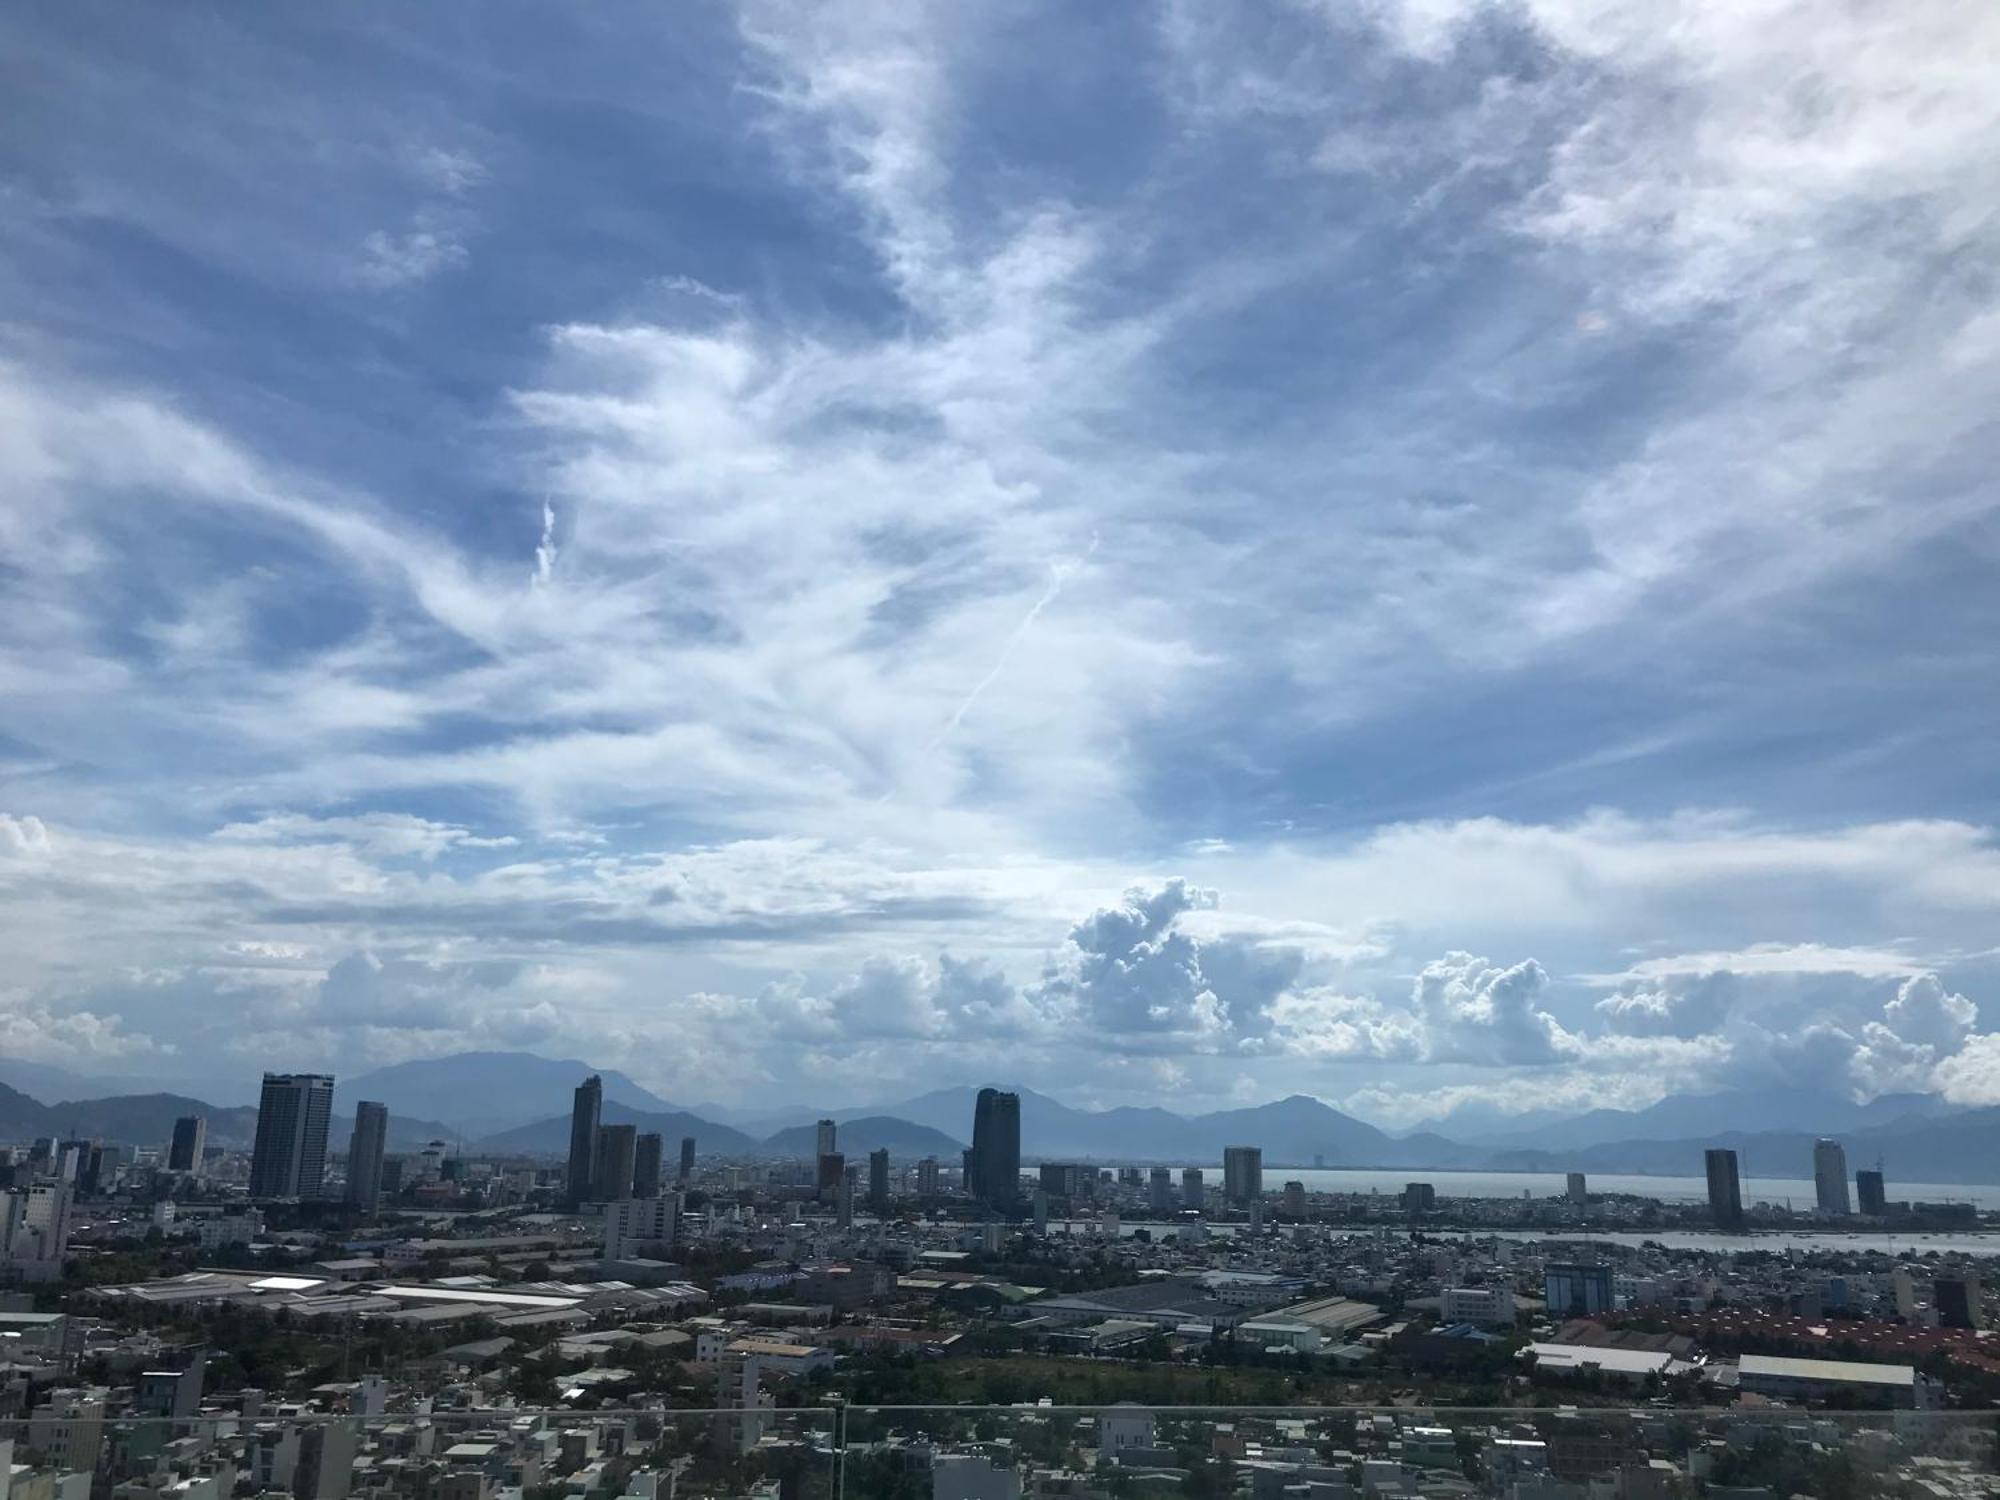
x: 1434, y: 554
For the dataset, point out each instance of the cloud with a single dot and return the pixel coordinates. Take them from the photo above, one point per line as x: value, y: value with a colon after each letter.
x: 23, y: 835
x: 397, y: 260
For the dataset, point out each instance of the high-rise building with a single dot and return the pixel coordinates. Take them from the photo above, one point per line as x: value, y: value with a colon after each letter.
x: 1956, y: 1299
x: 34, y: 1231
x: 1725, y: 1188
x: 1419, y: 1198
x: 1830, y: 1178
x: 1160, y: 1190
x: 1578, y: 1190
x: 687, y: 1159
x: 288, y: 1159
x: 364, y: 1155
x: 586, y: 1115
x: 190, y: 1136
x: 617, y: 1161
x: 1577, y: 1291
x: 825, y: 1139
x: 996, y: 1148
x: 1295, y: 1199
x: 1194, y: 1196
x: 927, y: 1177
x: 1242, y: 1173
x: 646, y: 1166
x: 878, y: 1180
x: 832, y: 1167
x: 1869, y: 1189
x: 1064, y: 1180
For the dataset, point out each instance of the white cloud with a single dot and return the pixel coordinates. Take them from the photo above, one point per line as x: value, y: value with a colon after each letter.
x: 394, y: 260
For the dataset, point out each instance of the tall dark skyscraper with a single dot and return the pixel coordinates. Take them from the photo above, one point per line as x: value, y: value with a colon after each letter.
x: 289, y: 1157
x: 878, y: 1180
x: 687, y: 1159
x: 584, y: 1118
x: 1725, y: 1188
x: 1242, y: 1173
x: 364, y: 1155
x: 617, y: 1161
x: 646, y: 1166
x: 1869, y: 1189
x: 190, y: 1136
x: 996, y: 1148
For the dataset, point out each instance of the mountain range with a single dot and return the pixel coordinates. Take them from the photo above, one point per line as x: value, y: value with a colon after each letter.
x: 519, y: 1102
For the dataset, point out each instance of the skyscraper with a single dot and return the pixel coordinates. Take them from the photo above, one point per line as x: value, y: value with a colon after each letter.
x: 585, y: 1116
x: 831, y: 1168
x: 617, y: 1161
x: 1577, y: 1189
x: 1725, y: 1188
x: 1160, y: 1190
x: 190, y: 1136
x: 289, y: 1157
x: 1242, y: 1173
x: 1870, y: 1190
x: 1830, y: 1178
x: 825, y: 1142
x: 927, y: 1177
x: 996, y: 1148
x: 687, y: 1159
x: 1194, y: 1196
x: 364, y: 1155
x: 878, y: 1180
x: 646, y: 1166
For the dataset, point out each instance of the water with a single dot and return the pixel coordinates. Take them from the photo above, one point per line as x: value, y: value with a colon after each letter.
x: 1798, y: 1190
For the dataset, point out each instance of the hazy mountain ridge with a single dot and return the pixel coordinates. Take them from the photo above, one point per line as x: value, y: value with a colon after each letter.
x: 488, y: 1093
x: 148, y: 1120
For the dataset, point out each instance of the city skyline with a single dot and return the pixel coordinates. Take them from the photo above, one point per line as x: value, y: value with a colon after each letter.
x: 1426, y: 557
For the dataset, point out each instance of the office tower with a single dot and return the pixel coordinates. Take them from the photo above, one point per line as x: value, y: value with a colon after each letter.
x: 1830, y: 1178
x: 824, y: 1142
x: 1419, y: 1198
x: 878, y: 1180
x: 190, y: 1136
x: 646, y: 1167
x: 617, y: 1161
x: 1160, y: 1190
x: 1956, y: 1299
x: 1577, y: 1291
x: 687, y: 1159
x: 364, y: 1155
x: 392, y: 1176
x: 1194, y: 1197
x: 1064, y: 1179
x: 1578, y: 1190
x: 1041, y: 1211
x: 843, y: 1200
x: 1868, y: 1187
x: 927, y: 1177
x: 832, y: 1167
x: 1295, y: 1199
x: 289, y: 1157
x: 996, y: 1148
x: 586, y: 1114
x: 1725, y: 1188
x: 1242, y: 1173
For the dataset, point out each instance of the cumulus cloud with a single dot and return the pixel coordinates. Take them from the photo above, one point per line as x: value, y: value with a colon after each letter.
x: 23, y: 835
x: 1476, y: 1011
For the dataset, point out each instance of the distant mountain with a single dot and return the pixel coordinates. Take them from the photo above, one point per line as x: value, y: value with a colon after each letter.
x: 1292, y: 1131
x: 1961, y: 1147
x: 550, y: 1137
x: 148, y: 1120
x: 1685, y: 1116
x: 870, y: 1133
x: 485, y: 1093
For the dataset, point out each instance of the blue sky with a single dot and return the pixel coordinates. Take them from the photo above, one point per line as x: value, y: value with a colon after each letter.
x: 1422, y: 552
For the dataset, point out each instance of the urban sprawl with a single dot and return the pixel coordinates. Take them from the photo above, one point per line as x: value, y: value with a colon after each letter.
x: 191, y: 1320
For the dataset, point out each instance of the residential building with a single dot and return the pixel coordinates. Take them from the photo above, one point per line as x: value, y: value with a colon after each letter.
x: 1872, y: 1195
x: 617, y: 1161
x: 289, y: 1156
x: 648, y: 1165
x: 878, y: 1180
x: 687, y: 1159
x: 1725, y: 1188
x: 586, y: 1115
x: 1576, y: 1291
x: 364, y: 1155
x: 632, y: 1226
x: 1194, y: 1197
x: 1830, y: 1178
x: 190, y: 1137
x: 996, y: 1148
x: 1242, y: 1174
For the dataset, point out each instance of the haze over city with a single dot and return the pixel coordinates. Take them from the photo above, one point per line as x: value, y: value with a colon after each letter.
x: 1430, y: 555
